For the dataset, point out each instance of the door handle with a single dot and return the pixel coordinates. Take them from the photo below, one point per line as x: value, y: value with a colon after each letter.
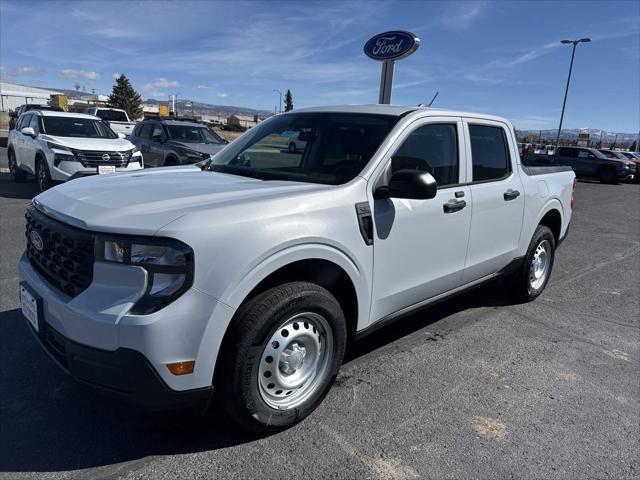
x: 511, y: 195
x: 453, y: 206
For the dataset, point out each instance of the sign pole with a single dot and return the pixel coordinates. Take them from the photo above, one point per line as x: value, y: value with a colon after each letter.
x: 386, y: 82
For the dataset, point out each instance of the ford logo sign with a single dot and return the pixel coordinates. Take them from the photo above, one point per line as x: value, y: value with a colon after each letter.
x: 106, y: 157
x: 36, y: 240
x: 392, y: 45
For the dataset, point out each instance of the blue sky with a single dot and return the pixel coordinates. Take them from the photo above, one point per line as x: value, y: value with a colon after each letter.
x: 494, y: 57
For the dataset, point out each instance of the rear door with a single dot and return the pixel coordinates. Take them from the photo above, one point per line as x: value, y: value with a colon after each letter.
x: 497, y: 197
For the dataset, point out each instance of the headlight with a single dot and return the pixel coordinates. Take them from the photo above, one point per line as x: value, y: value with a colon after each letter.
x: 61, y: 153
x: 168, y: 262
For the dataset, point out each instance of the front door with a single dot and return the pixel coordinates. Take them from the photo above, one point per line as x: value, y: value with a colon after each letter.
x: 420, y: 245
x: 498, y: 199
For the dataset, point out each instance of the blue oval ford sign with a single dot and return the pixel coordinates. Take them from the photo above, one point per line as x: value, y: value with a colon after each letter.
x: 392, y: 45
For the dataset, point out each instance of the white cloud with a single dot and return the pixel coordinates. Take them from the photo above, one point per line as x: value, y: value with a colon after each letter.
x: 160, y: 83
x: 223, y: 95
x: 202, y: 87
x: 71, y: 73
x: 462, y: 15
x: 9, y: 72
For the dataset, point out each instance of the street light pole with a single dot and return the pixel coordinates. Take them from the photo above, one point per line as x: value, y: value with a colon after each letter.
x: 278, y: 91
x: 566, y: 90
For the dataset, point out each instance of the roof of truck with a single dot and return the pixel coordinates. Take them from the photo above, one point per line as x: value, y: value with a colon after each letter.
x: 397, y: 110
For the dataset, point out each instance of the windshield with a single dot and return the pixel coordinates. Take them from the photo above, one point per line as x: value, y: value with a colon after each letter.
x: 193, y: 134
x: 112, y: 116
x: 610, y: 154
x: 331, y: 148
x: 76, y: 127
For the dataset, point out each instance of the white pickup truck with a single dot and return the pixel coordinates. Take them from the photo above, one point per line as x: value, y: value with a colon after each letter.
x: 117, y: 119
x: 249, y: 273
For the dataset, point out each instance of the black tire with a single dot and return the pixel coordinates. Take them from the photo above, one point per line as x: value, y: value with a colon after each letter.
x: 523, y: 287
x: 608, y: 176
x: 238, y: 378
x: 292, y: 147
x: 16, y: 173
x: 43, y: 177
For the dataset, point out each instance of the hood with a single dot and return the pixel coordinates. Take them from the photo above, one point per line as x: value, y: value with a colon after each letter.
x: 100, y: 144
x: 210, y: 148
x: 143, y: 202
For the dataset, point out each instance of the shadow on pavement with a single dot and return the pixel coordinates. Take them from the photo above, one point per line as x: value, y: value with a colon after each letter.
x: 50, y: 423
x: 9, y: 189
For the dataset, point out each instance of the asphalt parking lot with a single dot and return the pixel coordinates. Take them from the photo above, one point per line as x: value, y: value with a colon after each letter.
x: 474, y: 387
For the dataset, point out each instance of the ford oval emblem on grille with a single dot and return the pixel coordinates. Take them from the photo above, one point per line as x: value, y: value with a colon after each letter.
x: 36, y: 240
x: 106, y: 157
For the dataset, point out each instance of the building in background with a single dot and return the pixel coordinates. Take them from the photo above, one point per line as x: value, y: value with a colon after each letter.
x: 12, y: 95
x: 243, y: 121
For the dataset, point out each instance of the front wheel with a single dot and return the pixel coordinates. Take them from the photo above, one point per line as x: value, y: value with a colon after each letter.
x: 281, y: 356
x: 42, y: 175
x: 292, y: 147
x: 528, y: 282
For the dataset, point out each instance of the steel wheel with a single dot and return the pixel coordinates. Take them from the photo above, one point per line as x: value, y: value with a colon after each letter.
x: 540, y: 263
x: 295, y: 361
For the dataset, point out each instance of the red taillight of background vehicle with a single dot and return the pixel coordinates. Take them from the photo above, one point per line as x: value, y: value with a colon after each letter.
x: 573, y: 193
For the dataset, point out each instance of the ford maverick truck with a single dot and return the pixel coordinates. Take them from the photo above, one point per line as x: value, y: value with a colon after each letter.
x: 247, y: 275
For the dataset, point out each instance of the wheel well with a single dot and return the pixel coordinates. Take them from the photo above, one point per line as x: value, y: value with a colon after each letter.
x: 321, y: 272
x: 171, y: 160
x: 553, y: 220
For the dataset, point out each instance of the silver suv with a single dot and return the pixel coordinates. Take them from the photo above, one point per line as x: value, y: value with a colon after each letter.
x: 175, y: 142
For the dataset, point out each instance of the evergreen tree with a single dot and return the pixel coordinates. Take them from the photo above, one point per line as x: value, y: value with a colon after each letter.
x: 126, y: 98
x: 288, y: 101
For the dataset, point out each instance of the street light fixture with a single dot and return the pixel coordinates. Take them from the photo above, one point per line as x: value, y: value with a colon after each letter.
x: 278, y: 91
x: 566, y: 90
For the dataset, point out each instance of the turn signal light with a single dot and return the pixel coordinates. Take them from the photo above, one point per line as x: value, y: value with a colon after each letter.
x: 181, y: 368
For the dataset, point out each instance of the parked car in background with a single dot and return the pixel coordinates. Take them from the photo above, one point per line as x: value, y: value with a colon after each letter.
x: 294, y: 142
x: 169, y: 141
x: 592, y: 163
x: 59, y: 146
x: 13, y: 118
x: 635, y: 158
x: 550, y: 149
x: 117, y: 119
x: 251, y: 274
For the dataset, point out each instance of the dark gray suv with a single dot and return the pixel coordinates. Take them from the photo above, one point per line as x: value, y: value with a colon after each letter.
x: 168, y: 141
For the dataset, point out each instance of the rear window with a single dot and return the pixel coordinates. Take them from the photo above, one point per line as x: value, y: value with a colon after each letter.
x: 489, y: 153
x: 112, y: 116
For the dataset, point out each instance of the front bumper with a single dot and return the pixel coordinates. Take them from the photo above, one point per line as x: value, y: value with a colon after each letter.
x: 123, y: 373
x: 99, y: 342
x: 65, y: 170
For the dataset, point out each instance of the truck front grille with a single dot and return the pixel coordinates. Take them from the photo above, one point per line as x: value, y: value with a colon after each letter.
x: 61, y: 253
x: 91, y: 158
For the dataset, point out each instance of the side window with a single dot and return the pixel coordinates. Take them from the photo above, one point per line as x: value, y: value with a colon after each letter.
x: 489, y: 153
x: 157, y: 131
x: 145, y: 131
x: 431, y: 148
x: 34, y: 123
x: 583, y: 154
x: 24, y: 121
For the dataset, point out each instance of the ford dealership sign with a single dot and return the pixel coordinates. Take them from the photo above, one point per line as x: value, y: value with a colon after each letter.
x: 392, y: 45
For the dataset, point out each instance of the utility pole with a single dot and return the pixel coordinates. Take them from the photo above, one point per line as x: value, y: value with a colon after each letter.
x: 566, y: 90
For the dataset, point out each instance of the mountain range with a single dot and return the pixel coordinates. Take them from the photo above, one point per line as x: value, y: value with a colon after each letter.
x: 572, y: 134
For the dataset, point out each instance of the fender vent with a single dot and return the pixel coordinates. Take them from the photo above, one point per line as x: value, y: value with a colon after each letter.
x: 365, y: 222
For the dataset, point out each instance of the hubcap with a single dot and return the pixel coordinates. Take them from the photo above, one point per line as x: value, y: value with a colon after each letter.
x: 295, y: 361
x: 540, y: 265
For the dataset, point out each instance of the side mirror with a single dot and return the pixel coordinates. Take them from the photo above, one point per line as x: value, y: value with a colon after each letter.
x: 121, y: 135
x: 28, y: 131
x: 225, y: 141
x: 591, y: 155
x: 412, y: 184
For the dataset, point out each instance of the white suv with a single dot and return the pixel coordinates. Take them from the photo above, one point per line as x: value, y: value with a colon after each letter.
x: 60, y: 146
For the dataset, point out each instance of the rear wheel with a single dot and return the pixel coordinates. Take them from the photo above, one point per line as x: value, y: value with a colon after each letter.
x: 17, y: 175
x: 42, y: 175
x: 292, y: 147
x: 281, y: 356
x: 608, y: 176
x: 528, y: 282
